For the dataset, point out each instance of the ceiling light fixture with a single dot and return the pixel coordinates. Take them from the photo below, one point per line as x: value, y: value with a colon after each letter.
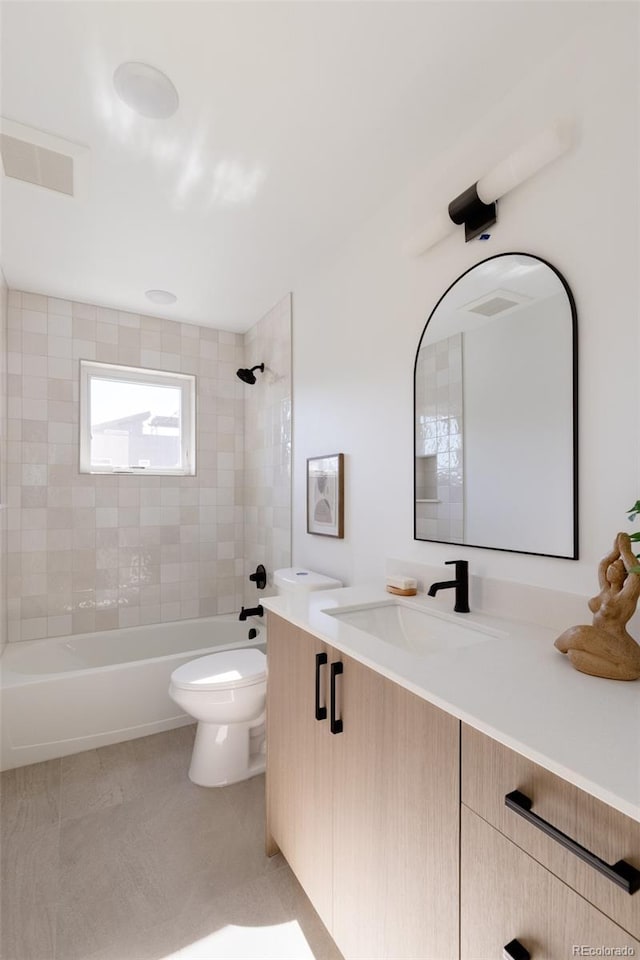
x: 146, y: 90
x: 476, y: 207
x: 161, y: 296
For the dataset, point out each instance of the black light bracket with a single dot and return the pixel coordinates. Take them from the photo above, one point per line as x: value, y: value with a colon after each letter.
x: 469, y: 209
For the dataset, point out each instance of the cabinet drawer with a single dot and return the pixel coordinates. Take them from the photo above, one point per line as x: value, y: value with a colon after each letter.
x: 507, y: 896
x: 490, y: 771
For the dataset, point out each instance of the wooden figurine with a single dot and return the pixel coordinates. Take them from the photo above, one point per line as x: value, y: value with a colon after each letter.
x: 606, y: 649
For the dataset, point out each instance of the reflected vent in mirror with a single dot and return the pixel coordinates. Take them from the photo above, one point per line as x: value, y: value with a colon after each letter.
x: 498, y: 301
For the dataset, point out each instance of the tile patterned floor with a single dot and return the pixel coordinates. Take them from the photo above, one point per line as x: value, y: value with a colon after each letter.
x: 114, y: 854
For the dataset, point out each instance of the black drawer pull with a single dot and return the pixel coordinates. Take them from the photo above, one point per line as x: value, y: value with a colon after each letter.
x: 336, y: 725
x: 321, y: 712
x: 622, y: 873
x: 515, y: 951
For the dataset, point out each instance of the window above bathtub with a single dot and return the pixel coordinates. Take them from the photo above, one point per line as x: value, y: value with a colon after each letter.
x: 136, y: 421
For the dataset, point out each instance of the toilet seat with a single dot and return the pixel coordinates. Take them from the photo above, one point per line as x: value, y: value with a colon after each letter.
x: 244, y: 667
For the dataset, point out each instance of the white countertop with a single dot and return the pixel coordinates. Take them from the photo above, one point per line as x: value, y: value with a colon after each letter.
x: 518, y: 689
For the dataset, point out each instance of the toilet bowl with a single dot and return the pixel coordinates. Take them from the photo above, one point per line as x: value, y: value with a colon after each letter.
x: 225, y: 692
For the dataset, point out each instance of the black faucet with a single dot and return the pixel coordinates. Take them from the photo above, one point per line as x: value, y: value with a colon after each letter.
x: 251, y: 612
x: 461, y: 585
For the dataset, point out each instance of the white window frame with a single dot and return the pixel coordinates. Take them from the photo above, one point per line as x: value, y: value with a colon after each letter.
x: 90, y: 369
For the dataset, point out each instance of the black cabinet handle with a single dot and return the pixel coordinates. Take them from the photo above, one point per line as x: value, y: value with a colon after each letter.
x: 622, y: 873
x: 321, y: 712
x: 515, y: 951
x: 336, y: 725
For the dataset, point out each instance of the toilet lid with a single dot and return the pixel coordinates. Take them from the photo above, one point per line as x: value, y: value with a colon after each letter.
x: 229, y: 668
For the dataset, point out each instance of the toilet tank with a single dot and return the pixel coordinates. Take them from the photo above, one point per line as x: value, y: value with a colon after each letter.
x: 301, y: 580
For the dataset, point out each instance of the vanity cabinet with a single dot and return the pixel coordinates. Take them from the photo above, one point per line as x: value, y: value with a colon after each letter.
x: 395, y: 822
x: 299, y: 769
x: 560, y: 864
x: 508, y: 900
x: 368, y: 817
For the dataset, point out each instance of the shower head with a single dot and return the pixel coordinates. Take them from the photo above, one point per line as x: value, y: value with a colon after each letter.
x: 248, y: 376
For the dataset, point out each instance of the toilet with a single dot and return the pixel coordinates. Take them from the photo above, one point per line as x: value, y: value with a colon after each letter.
x: 226, y: 693
x: 298, y: 580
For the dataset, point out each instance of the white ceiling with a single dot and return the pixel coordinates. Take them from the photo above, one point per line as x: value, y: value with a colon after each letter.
x: 296, y: 120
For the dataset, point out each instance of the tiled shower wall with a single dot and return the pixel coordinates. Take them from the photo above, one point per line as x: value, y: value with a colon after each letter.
x: 267, y: 445
x: 97, y: 552
x: 3, y: 462
x: 439, y: 442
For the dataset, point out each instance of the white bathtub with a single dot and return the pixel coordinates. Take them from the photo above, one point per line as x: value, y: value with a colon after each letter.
x: 69, y: 694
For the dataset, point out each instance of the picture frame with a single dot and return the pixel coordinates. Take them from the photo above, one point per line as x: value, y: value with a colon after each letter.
x: 325, y: 495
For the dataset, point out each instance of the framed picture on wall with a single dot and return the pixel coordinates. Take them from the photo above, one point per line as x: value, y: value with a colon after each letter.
x: 325, y: 495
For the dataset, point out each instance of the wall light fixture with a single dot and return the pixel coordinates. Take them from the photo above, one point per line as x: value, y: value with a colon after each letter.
x: 476, y: 207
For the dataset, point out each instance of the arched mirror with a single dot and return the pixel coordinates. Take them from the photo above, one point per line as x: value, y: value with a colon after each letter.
x: 495, y: 411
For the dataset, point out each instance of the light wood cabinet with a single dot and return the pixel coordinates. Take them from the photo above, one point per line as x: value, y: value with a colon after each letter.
x: 299, y: 771
x: 490, y: 771
x: 395, y: 822
x: 506, y: 895
x: 368, y: 818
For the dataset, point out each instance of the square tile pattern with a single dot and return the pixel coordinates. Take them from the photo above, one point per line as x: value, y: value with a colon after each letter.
x: 4, y: 306
x: 86, y: 553
x: 439, y: 441
x: 113, y: 854
x: 267, y: 447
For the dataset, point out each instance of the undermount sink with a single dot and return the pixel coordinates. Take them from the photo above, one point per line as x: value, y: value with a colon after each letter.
x: 410, y: 627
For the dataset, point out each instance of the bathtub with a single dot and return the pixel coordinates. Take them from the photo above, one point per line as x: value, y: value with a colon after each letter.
x: 68, y: 694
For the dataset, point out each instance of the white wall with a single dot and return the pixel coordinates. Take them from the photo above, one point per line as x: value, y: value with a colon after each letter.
x: 360, y: 311
x: 518, y: 453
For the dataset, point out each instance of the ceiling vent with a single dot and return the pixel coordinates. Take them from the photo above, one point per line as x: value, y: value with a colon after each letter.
x: 496, y: 302
x: 43, y: 160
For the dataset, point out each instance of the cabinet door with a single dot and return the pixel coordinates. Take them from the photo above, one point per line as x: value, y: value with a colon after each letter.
x: 395, y: 822
x: 506, y: 895
x: 299, y: 778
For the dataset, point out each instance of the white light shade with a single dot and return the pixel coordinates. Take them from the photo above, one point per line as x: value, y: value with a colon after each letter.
x: 526, y: 161
x: 436, y: 230
x: 510, y: 173
x: 146, y: 90
x: 161, y: 296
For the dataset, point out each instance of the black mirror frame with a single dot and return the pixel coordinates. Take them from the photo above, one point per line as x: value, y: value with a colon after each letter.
x: 574, y: 395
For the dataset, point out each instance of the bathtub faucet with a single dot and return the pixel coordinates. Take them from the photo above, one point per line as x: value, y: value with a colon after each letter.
x: 251, y: 612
